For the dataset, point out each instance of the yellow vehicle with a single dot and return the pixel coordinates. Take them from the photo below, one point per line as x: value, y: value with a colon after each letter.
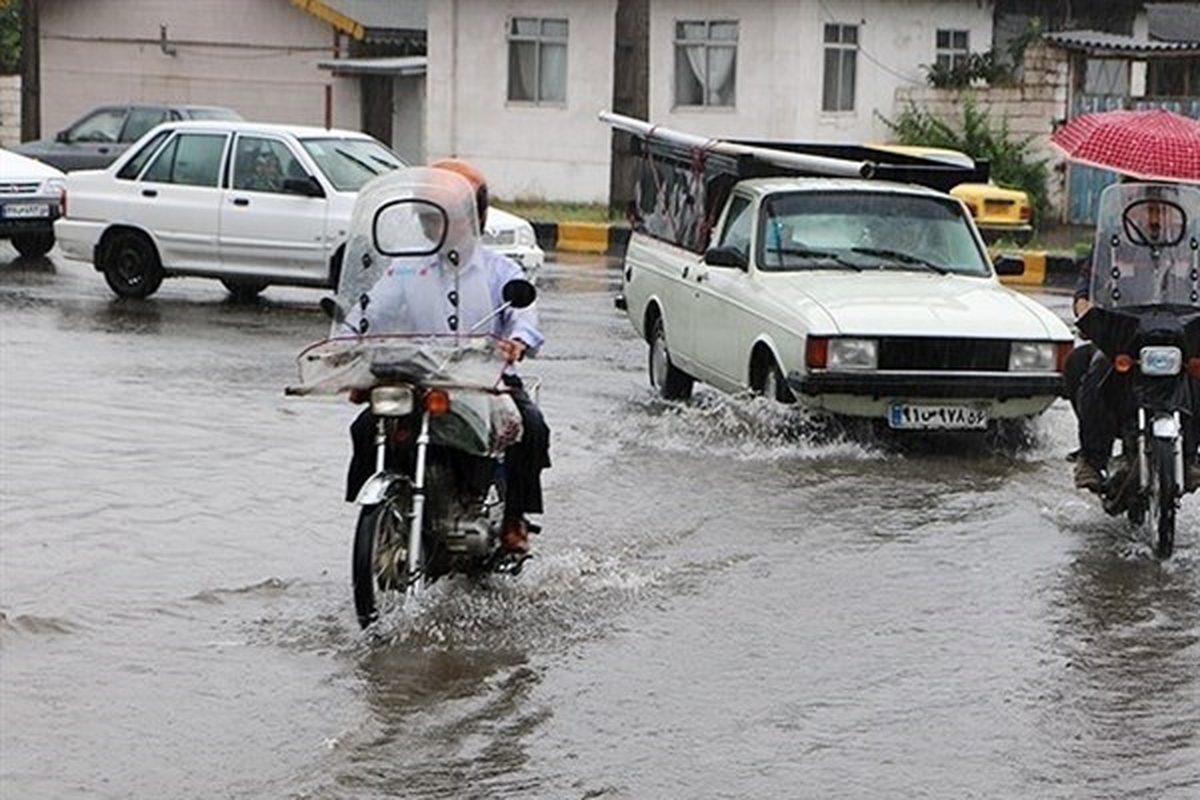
x: 999, y: 213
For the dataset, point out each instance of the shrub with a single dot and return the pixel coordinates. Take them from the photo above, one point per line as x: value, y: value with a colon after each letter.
x: 1012, y: 162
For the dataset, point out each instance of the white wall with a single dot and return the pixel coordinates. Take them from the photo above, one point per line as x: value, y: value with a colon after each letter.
x: 554, y: 153
x: 563, y: 153
x: 10, y: 110
x: 781, y: 62
x: 256, y: 56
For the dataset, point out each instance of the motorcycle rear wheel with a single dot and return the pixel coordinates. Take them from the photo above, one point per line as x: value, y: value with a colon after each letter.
x: 378, y: 568
x: 1163, y: 494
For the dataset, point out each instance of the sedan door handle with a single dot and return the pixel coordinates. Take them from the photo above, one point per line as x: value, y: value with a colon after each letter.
x: 149, y: 192
x: 241, y: 201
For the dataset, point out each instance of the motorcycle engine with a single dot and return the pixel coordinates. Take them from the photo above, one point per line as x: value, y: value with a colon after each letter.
x: 468, y: 537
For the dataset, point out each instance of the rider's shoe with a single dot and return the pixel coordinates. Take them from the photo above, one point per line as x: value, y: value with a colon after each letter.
x: 515, y: 537
x: 1087, y: 476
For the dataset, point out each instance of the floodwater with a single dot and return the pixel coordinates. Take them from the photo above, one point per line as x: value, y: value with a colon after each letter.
x: 726, y: 602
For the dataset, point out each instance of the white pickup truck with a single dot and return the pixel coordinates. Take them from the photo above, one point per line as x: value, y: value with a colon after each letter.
x: 852, y: 296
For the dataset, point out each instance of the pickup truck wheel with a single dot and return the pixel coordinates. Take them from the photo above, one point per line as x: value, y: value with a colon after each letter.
x: 131, y: 266
x: 769, y: 382
x: 33, y: 245
x: 672, y: 383
x: 243, y: 291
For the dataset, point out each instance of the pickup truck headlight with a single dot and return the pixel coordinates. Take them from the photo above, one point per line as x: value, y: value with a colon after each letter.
x: 1160, y: 360
x: 1033, y: 357
x: 391, y: 401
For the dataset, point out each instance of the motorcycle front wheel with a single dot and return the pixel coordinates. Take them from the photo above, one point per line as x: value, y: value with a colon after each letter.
x: 378, y: 566
x: 1163, y: 494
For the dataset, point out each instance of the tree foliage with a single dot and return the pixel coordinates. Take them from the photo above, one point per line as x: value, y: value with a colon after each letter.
x: 1012, y: 162
x: 10, y: 38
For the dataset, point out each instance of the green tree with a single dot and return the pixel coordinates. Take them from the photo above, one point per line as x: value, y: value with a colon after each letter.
x: 10, y: 37
x: 1011, y: 160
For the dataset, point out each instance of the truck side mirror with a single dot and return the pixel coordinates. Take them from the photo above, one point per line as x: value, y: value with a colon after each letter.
x: 725, y: 257
x: 1009, y: 264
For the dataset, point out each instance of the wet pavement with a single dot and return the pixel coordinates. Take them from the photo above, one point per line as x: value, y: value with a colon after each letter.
x: 727, y: 601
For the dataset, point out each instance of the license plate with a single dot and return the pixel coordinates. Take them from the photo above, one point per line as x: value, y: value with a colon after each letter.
x: 909, y: 416
x: 25, y: 210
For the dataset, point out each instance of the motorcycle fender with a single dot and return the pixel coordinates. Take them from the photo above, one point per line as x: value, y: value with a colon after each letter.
x: 376, y: 488
x: 1166, y: 427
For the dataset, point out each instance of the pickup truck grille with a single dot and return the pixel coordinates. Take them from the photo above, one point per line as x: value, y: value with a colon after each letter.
x: 943, y: 354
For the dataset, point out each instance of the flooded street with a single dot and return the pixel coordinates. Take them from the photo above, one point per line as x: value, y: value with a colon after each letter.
x: 725, y: 602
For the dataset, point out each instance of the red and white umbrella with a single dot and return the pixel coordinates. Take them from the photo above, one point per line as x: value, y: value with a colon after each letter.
x: 1154, y: 144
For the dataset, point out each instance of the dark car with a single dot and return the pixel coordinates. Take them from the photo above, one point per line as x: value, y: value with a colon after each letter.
x: 96, y: 139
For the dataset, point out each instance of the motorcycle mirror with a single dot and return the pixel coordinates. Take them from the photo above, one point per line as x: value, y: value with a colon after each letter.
x: 519, y: 293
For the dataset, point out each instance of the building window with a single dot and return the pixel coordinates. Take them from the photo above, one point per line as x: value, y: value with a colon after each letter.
x: 537, y: 60
x: 953, y: 51
x: 841, y: 62
x: 705, y: 63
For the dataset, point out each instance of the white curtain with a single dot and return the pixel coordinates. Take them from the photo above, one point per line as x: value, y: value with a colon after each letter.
x: 553, y: 74
x: 719, y: 88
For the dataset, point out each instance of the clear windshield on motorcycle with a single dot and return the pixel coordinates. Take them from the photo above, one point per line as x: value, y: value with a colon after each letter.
x: 406, y: 302
x: 1147, y: 249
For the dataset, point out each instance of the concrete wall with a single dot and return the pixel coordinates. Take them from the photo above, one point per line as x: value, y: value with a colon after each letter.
x: 1030, y: 110
x: 562, y: 153
x: 256, y: 56
x: 781, y: 57
x: 10, y: 110
x: 553, y: 152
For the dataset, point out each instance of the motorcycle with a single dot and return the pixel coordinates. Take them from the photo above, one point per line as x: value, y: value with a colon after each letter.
x: 1145, y: 318
x: 442, y: 412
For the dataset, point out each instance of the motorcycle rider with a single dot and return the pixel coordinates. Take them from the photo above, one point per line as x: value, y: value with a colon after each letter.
x: 1103, y: 402
x: 484, y: 271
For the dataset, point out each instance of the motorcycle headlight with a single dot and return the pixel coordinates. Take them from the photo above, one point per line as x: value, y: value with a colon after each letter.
x: 391, y: 401
x: 1160, y: 360
x: 1032, y: 357
x: 852, y: 354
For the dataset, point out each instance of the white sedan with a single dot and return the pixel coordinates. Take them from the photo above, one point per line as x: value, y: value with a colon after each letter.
x: 851, y: 297
x: 250, y: 204
x: 30, y: 201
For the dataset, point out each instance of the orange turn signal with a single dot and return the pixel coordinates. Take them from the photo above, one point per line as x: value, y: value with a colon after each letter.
x: 1193, y: 366
x: 816, y: 352
x: 359, y: 396
x: 437, y: 401
x: 1123, y: 362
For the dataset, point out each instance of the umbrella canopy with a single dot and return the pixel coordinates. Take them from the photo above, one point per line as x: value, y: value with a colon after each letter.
x: 1154, y: 144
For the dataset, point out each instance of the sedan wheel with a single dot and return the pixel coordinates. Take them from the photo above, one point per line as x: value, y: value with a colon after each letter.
x: 33, y: 245
x: 243, y: 291
x: 131, y: 266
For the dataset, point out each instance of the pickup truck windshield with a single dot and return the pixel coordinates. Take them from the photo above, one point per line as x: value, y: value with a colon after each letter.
x: 867, y: 230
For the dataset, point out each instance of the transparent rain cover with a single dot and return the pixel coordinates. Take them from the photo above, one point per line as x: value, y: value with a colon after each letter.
x: 1147, y: 249
x: 405, y: 224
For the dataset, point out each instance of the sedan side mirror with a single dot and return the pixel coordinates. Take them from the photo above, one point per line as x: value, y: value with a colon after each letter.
x: 307, y: 186
x: 725, y: 257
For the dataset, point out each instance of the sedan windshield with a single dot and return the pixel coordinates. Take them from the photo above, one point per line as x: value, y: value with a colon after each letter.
x: 349, y: 163
x: 867, y: 230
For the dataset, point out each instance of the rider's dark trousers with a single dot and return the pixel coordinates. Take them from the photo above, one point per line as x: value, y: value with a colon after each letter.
x: 523, y: 461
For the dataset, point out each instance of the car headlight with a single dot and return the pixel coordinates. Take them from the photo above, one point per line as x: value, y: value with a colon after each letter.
x: 1160, y: 360
x: 52, y: 186
x: 1033, y: 357
x: 391, y: 401
x: 526, y: 237
x: 852, y: 354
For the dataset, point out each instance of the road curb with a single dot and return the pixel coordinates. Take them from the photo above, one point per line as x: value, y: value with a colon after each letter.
x: 582, y: 237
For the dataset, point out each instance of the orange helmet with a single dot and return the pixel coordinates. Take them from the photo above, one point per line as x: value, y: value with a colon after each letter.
x: 474, y: 177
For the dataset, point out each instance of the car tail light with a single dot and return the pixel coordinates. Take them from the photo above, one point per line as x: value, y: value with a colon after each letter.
x: 62, y: 202
x: 1026, y: 212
